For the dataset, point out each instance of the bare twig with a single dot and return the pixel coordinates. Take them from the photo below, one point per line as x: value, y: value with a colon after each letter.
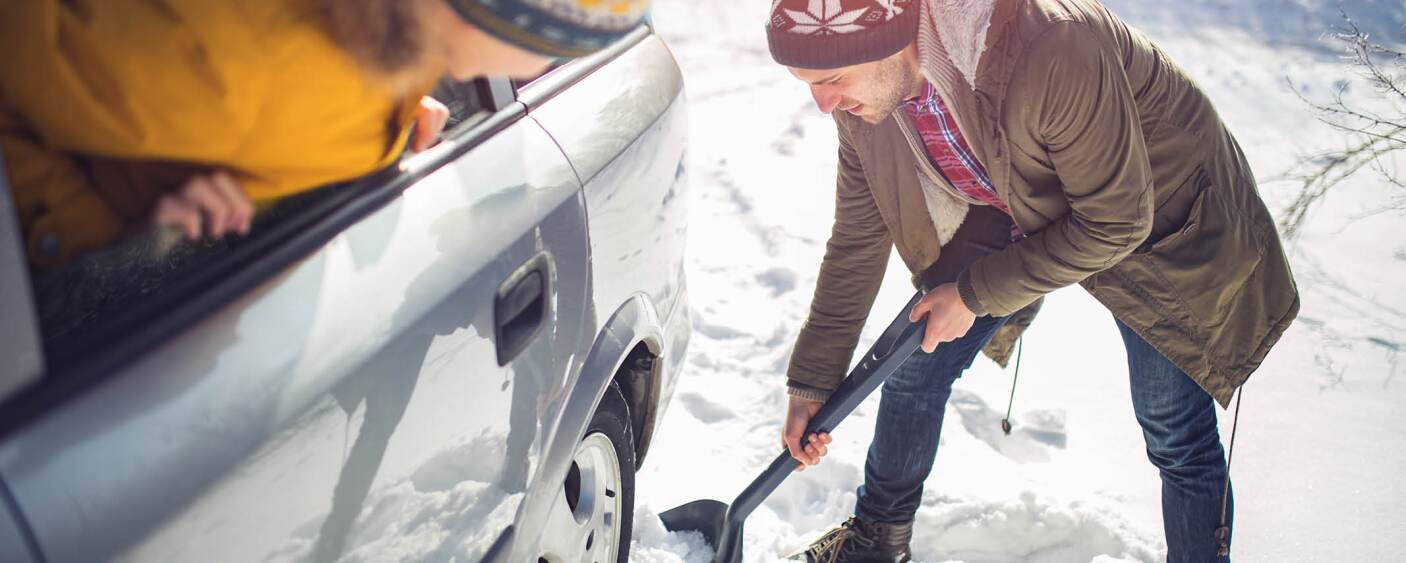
x: 1377, y: 136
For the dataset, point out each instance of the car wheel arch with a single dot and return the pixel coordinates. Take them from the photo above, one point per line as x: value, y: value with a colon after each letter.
x: 639, y: 378
x: 633, y: 324
x: 633, y: 334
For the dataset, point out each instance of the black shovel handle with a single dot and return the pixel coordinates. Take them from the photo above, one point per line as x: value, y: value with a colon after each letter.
x: 893, y: 347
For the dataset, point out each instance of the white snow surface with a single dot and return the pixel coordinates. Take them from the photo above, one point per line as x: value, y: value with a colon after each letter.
x: 1321, y: 449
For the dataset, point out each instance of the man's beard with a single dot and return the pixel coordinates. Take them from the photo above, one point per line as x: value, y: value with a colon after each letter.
x: 896, y: 83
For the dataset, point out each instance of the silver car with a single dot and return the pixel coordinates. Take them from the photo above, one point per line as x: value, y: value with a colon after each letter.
x: 464, y: 358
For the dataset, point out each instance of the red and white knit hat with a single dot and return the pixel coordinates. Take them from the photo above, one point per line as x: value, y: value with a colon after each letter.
x: 825, y: 34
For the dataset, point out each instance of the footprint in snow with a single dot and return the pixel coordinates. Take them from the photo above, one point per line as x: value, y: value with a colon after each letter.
x: 785, y: 144
x: 716, y: 331
x: 778, y: 280
x: 1045, y: 426
x: 1027, y: 443
x: 705, y: 410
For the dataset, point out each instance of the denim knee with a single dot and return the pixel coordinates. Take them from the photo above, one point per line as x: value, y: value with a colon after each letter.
x: 923, y: 374
x: 1186, y: 452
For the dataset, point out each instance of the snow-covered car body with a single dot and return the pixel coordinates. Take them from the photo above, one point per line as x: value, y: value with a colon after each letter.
x: 402, y: 368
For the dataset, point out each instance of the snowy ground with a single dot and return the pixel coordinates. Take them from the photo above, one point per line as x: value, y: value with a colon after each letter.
x: 1322, y: 445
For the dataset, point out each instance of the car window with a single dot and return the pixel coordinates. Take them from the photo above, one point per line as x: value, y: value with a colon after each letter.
x: 464, y: 99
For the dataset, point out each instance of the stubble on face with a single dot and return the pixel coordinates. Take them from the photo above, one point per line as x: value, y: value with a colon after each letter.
x: 894, y: 81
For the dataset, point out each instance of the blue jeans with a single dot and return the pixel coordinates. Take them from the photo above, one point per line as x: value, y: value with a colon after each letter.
x: 1178, y: 424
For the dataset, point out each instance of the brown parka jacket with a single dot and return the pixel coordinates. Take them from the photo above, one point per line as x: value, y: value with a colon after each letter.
x: 1111, y: 159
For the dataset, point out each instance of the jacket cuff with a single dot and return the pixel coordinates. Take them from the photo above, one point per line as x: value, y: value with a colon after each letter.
x: 807, y: 392
x: 968, y: 295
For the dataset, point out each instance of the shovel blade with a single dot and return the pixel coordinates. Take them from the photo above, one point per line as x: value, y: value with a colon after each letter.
x: 702, y: 516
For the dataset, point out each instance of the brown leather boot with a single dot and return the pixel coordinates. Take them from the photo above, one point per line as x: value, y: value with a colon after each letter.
x: 859, y: 542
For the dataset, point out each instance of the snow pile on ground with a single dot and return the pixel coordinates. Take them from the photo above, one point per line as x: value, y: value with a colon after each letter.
x: 1320, y: 455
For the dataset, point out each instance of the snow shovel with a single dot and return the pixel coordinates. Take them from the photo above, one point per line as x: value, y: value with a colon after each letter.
x: 721, y: 524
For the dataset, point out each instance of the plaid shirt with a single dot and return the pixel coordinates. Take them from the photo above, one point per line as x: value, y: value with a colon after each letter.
x: 950, y: 153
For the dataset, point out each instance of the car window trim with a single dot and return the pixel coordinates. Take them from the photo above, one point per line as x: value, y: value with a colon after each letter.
x: 88, y: 360
x: 541, y: 90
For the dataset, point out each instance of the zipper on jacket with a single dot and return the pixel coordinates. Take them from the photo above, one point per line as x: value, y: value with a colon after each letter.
x: 925, y: 161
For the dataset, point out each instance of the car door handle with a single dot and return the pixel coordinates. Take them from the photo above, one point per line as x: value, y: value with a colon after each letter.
x: 521, y: 307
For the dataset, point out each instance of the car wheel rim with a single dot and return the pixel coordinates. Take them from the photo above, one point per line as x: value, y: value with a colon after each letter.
x: 584, y: 523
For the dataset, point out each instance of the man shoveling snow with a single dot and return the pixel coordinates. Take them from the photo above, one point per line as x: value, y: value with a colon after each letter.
x: 1008, y: 148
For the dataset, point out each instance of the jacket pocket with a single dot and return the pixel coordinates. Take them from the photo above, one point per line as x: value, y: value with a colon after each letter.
x: 1200, y: 269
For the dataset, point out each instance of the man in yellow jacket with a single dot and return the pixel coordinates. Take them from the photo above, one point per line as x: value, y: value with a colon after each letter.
x: 119, y: 114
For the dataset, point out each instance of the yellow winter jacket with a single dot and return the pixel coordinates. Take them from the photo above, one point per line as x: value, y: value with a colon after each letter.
x: 105, y: 104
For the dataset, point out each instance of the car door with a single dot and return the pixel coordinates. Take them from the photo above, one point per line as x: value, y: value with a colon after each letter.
x: 381, y: 397
x: 624, y: 127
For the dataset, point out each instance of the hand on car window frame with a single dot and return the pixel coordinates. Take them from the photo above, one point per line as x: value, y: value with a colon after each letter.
x: 429, y: 123
x: 208, y: 205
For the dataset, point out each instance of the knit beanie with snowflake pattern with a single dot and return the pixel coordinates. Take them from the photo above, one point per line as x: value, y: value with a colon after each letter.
x: 828, y: 34
x: 555, y: 28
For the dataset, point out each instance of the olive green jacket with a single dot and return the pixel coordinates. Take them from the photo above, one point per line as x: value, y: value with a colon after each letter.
x: 1109, y: 157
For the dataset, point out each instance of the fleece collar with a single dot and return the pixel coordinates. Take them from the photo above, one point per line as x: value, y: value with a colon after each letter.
x: 962, y: 27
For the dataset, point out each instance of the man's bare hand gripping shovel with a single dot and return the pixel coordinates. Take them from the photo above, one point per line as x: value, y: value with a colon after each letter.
x: 806, y: 432
x: 947, y: 319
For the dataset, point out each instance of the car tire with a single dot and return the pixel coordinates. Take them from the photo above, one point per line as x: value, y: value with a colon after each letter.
x: 599, y: 489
